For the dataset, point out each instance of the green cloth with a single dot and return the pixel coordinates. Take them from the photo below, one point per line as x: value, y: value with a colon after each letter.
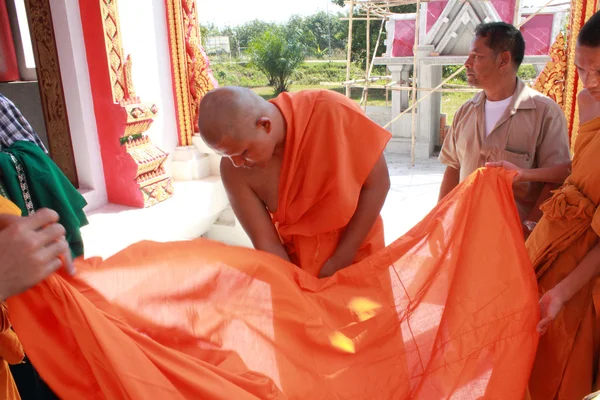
x: 48, y: 186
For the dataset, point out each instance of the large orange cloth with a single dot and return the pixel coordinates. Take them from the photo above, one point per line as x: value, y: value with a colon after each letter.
x: 331, y: 147
x: 11, y: 351
x: 566, y: 365
x: 202, y: 320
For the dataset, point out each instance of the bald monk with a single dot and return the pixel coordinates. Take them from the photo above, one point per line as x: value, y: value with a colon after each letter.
x: 305, y: 173
x: 565, y: 249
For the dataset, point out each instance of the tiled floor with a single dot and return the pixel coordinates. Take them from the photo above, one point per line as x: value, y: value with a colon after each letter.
x: 414, y: 192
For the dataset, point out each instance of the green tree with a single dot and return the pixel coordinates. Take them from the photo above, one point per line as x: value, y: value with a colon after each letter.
x: 250, y: 30
x: 359, y: 29
x: 277, y: 56
x: 328, y: 33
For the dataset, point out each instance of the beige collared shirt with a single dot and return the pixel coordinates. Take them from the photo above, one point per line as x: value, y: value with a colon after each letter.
x: 532, y: 133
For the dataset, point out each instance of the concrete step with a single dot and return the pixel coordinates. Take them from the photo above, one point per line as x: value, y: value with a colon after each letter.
x: 193, y: 209
x: 227, y: 229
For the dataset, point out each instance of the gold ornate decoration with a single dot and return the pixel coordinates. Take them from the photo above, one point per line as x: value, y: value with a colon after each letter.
x: 551, y: 81
x: 179, y: 71
x: 200, y: 78
x: 39, y: 16
x: 114, y: 47
x: 149, y: 176
x: 581, y: 11
x: 156, y: 192
x: 192, y: 77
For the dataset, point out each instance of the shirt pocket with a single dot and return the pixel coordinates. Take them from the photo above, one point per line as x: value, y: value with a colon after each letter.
x: 522, y: 159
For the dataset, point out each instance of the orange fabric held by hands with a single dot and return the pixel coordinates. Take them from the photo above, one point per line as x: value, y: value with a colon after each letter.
x: 331, y: 147
x: 11, y: 351
x: 447, y: 311
x: 567, y: 361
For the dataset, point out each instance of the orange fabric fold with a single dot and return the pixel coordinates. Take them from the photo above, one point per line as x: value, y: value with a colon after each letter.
x: 566, y: 364
x: 444, y: 312
x: 8, y: 207
x: 331, y: 147
x: 11, y: 351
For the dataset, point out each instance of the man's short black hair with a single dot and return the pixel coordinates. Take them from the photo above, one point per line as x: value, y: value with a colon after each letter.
x: 503, y: 37
x: 589, y: 35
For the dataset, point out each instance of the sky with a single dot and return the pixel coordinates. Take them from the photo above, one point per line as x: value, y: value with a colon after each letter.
x: 236, y: 12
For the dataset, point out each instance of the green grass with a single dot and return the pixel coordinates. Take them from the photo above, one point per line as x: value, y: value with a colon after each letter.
x: 451, y: 102
x: 376, y: 96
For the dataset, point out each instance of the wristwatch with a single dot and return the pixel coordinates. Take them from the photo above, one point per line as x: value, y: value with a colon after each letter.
x: 529, y: 224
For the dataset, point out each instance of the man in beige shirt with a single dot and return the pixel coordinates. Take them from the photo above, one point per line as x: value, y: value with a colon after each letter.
x: 506, y: 121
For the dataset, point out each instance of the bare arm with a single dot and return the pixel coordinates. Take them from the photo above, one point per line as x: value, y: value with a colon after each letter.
x: 449, y: 182
x: 251, y: 211
x: 370, y: 202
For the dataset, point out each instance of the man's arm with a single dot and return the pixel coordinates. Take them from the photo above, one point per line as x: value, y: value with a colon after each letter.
x: 251, y: 211
x: 449, y: 156
x: 553, y: 174
x: 370, y: 202
x: 449, y: 182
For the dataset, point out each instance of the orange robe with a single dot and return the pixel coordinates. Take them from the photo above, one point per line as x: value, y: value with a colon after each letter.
x: 202, y: 320
x: 11, y: 351
x: 566, y: 364
x: 331, y: 147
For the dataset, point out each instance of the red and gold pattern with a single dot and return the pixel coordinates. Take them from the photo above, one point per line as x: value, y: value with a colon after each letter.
x: 148, y: 157
x: 156, y: 192
x: 192, y: 77
x: 560, y: 80
x: 132, y: 167
x: 114, y: 47
x: 551, y: 81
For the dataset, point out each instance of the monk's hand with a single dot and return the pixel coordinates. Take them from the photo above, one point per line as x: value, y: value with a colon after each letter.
x: 32, y: 248
x: 509, y: 166
x: 550, y: 305
x: 331, y: 266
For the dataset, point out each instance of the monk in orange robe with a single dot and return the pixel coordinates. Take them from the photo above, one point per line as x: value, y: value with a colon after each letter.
x: 314, y: 178
x: 565, y: 250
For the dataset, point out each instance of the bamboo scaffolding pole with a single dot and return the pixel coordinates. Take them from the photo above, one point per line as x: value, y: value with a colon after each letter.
x: 413, y: 135
x: 542, y: 8
x: 517, y: 12
x: 362, y: 19
x: 413, y: 105
x: 458, y: 71
x: 365, y: 92
x: 371, y: 64
x: 372, y: 79
x: 349, y: 57
x: 389, y: 3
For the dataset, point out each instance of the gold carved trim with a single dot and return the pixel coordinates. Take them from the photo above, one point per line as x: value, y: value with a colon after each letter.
x: 43, y: 41
x: 178, y: 64
x: 114, y: 48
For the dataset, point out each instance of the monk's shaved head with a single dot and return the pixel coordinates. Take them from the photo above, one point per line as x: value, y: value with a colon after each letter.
x: 229, y: 112
x: 589, y: 35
